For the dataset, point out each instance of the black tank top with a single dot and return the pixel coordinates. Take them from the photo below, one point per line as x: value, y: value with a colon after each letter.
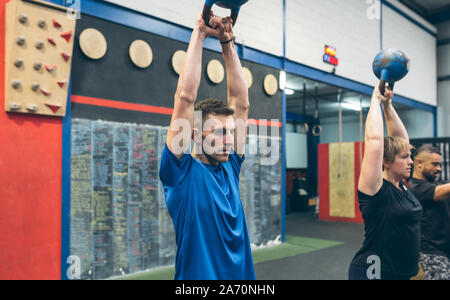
x: 392, y: 231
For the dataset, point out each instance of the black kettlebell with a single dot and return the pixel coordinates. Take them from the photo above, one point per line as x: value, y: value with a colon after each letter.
x: 234, y: 5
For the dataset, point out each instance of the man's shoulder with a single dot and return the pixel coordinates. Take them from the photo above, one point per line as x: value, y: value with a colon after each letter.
x: 422, y: 189
x: 416, y: 182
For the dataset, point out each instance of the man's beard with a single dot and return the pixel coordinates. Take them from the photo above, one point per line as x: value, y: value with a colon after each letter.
x: 430, y: 176
x: 210, y: 158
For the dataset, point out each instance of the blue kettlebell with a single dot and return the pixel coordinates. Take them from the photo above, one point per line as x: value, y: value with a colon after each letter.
x: 389, y: 66
x: 234, y: 5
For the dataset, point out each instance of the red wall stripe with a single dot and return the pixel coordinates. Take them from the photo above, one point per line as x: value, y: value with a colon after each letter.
x: 150, y: 109
x: 121, y: 105
x: 265, y: 123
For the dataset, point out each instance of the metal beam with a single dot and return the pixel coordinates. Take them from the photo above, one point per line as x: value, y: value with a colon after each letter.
x: 444, y: 78
x: 416, y: 7
x: 439, y: 16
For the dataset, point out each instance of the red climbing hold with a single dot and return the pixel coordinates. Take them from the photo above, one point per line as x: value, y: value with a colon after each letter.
x: 51, y: 41
x: 65, y: 56
x: 62, y: 83
x: 45, y: 92
x: 53, y: 107
x: 67, y: 35
x: 50, y: 68
x: 56, y: 24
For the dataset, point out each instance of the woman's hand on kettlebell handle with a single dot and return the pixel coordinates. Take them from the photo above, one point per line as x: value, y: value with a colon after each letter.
x: 386, y: 99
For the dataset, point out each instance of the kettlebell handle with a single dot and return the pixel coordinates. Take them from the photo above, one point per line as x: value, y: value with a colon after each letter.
x: 382, y: 86
x: 207, y: 14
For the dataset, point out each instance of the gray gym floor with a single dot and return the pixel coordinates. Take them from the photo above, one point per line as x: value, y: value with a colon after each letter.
x: 314, y: 250
x: 326, y: 264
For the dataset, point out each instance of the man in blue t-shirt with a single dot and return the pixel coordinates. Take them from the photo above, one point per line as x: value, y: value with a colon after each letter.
x: 202, y: 187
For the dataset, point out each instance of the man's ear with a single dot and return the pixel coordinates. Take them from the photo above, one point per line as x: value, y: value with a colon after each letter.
x: 418, y: 163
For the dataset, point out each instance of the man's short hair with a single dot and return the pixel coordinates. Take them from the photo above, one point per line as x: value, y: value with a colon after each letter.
x: 426, y: 148
x: 213, y: 106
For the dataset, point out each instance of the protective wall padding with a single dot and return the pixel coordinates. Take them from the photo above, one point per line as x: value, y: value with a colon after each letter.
x: 328, y: 193
x: 114, y: 77
x: 342, y: 180
x: 119, y: 220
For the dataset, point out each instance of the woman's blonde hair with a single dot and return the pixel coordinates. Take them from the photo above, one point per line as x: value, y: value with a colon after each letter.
x: 394, y: 146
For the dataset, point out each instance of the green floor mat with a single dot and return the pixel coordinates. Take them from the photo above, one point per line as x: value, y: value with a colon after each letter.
x: 294, y: 245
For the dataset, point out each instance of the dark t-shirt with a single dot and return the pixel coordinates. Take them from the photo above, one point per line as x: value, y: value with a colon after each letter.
x: 392, y: 231
x: 435, y: 226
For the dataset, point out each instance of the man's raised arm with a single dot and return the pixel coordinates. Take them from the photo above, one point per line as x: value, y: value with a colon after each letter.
x: 236, y: 85
x: 181, y: 124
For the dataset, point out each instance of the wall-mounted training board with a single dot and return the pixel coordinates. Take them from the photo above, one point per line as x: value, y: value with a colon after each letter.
x: 178, y: 60
x: 270, y: 84
x: 141, y: 54
x: 39, y: 47
x: 248, y: 77
x: 93, y: 43
x: 215, y: 71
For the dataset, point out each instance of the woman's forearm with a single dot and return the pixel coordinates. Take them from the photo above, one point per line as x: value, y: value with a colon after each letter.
x: 394, y: 125
x: 374, y: 122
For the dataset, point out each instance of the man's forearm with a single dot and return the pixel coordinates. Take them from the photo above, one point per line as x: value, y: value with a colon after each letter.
x: 237, y: 87
x: 237, y: 95
x: 442, y: 192
x: 189, y: 80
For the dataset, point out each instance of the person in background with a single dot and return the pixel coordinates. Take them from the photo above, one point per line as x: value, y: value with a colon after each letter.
x: 434, y: 195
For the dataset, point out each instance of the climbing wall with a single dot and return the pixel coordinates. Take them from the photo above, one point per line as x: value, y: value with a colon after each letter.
x: 39, y: 45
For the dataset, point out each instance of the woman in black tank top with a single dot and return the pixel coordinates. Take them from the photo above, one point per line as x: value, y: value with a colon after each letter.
x: 391, y: 213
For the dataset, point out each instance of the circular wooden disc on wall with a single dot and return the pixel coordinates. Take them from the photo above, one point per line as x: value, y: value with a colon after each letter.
x: 93, y: 43
x: 141, y: 54
x: 215, y: 71
x: 248, y: 77
x: 270, y: 84
x: 178, y: 61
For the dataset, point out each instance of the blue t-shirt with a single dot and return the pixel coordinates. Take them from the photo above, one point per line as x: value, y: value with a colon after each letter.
x: 205, y: 206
